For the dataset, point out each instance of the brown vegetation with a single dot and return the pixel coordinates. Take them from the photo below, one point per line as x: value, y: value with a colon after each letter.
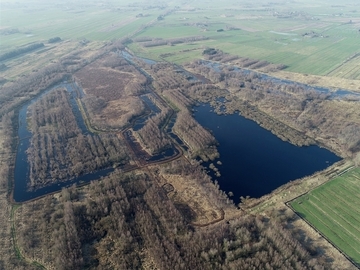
x: 59, y: 151
x: 128, y: 220
x: 151, y: 136
x: 128, y: 226
x: 193, y: 134
x: 292, y: 111
x: 112, y: 87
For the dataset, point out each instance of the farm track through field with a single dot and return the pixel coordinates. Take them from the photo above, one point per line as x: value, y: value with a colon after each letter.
x: 346, y: 194
x: 345, y: 190
x: 322, y: 205
x: 350, y: 190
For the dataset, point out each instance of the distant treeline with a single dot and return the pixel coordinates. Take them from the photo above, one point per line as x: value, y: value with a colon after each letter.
x: 21, y: 50
x: 149, y: 42
x: 54, y: 39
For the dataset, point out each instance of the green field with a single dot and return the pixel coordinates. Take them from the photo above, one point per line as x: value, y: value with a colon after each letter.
x: 259, y: 30
x: 262, y: 35
x: 40, y: 20
x: 333, y: 209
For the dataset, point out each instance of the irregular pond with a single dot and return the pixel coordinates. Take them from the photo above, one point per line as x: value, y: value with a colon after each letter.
x: 255, y: 161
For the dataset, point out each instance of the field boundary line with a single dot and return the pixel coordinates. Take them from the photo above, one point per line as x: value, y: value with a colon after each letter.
x: 288, y: 204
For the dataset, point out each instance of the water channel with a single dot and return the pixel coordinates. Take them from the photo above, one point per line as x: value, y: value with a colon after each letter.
x: 255, y: 161
x: 21, y: 191
x: 335, y: 94
x: 21, y: 174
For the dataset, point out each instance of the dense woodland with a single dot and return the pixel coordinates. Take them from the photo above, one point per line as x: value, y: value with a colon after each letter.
x: 59, y: 150
x: 193, y: 134
x: 20, y: 50
x: 171, y: 83
x: 166, y: 76
x: 151, y: 136
x: 128, y: 222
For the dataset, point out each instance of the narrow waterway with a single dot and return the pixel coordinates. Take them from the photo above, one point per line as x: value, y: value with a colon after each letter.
x: 255, y: 161
x: 21, y: 174
x: 21, y: 191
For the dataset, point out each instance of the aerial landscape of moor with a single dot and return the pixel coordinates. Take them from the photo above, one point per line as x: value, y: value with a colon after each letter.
x: 170, y: 135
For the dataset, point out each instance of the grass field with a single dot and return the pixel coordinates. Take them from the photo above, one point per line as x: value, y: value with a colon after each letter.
x: 40, y: 21
x: 262, y: 34
x: 256, y: 29
x: 333, y: 209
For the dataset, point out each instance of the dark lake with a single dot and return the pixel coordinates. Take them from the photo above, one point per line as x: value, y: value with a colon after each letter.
x: 255, y: 161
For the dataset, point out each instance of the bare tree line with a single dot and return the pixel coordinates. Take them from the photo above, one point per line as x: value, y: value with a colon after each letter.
x: 304, y: 109
x: 151, y: 136
x: 59, y: 150
x: 128, y: 221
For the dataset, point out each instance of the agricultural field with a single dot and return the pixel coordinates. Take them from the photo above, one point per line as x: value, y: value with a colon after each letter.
x: 134, y: 117
x: 39, y: 21
x: 313, y: 39
x: 333, y: 209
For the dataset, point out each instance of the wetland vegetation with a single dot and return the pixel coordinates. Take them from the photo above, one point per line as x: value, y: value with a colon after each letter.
x: 107, y: 162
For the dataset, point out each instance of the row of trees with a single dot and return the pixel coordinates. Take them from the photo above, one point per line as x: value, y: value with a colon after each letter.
x: 160, y: 42
x: 59, y: 150
x: 193, y: 134
x: 20, y: 50
x: 151, y: 136
x: 300, y: 107
x: 128, y: 222
x: 244, y: 62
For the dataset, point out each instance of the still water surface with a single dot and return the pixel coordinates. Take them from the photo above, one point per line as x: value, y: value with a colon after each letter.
x: 255, y: 161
